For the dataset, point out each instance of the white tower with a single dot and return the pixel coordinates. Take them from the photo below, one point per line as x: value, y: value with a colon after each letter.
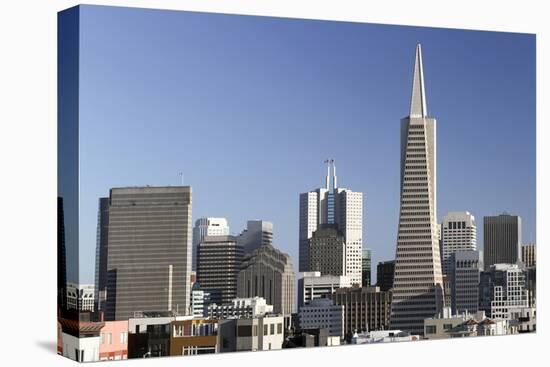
x: 336, y: 206
x: 418, y: 282
x: 458, y: 233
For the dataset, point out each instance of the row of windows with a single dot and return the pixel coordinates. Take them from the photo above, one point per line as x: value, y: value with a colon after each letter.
x: 415, y: 225
x: 107, y: 338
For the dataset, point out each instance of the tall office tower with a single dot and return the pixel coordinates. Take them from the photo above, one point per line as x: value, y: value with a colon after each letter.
x: 384, y: 274
x: 366, y: 267
x: 459, y: 233
x: 501, y: 240
x: 61, y: 257
x: 149, y: 251
x: 313, y: 285
x: 257, y: 233
x: 502, y: 290
x: 338, y: 207
x: 365, y: 308
x: 80, y: 297
x: 207, y: 227
x: 101, y: 254
x: 218, y: 261
x: 418, y: 282
x: 267, y: 272
x: 529, y: 255
x: 466, y: 267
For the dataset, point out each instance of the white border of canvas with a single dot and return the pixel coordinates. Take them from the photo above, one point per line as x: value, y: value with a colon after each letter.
x: 28, y: 178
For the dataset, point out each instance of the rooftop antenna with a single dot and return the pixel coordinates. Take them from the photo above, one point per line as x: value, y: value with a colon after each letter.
x: 181, y: 177
x: 328, y: 163
x: 334, y: 182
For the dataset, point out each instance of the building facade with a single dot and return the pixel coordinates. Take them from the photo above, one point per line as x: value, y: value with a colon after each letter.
x: 100, y: 280
x: 267, y: 273
x: 322, y: 313
x: 529, y: 255
x: 80, y: 339
x: 365, y: 308
x: 218, y: 261
x: 114, y: 341
x: 466, y: 267
x: 438, y: 327
x: 313, y: 285
x: 335, y: 206
x: 257, y: 233
x: 327, y: 251
x: 61, y: 259
x: 149, y: 335
x: 384, y: 275
x: 458, y: 233
x: 366, y: 259
x: 207, y: 227
x: 80, y: 297
x: 418, y: 280
x: 503, y: 290
x: 251, y: 334
x: 193, y: 337
x: 449, y: 325
x: 149, y: 251
x: 240, y: 308
x: 501, y: 240
x: 200, y: 299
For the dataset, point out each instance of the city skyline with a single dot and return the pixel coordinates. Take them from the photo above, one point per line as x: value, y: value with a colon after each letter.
x: 248, y: 119
x: 269, y: 179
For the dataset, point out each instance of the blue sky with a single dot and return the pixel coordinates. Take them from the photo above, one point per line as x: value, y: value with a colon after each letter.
x: 249, y: 107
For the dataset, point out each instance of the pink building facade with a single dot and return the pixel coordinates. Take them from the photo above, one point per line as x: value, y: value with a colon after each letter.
x: 113, y: 343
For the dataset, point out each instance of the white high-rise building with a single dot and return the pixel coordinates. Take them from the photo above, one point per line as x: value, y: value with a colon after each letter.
x: 336, y: 206
x: 207, y: 227
x: 458, y: 233
x: 418, y: 281
x: 313, y: 285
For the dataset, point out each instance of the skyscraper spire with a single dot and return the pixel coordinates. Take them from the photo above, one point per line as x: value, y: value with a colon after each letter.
x: 327, y: 184
x: 334, y: 181
x: 418, y: 97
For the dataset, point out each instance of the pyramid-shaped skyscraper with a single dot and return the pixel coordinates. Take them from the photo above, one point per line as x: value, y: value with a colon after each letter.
x: 418, y: 282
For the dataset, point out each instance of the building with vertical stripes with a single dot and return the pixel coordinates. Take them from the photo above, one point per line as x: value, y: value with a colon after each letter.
x: 529, y: 255
x: 267, y: 273
x: 365, y: 308
x: 148, y: 251
x: 501, y: 239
